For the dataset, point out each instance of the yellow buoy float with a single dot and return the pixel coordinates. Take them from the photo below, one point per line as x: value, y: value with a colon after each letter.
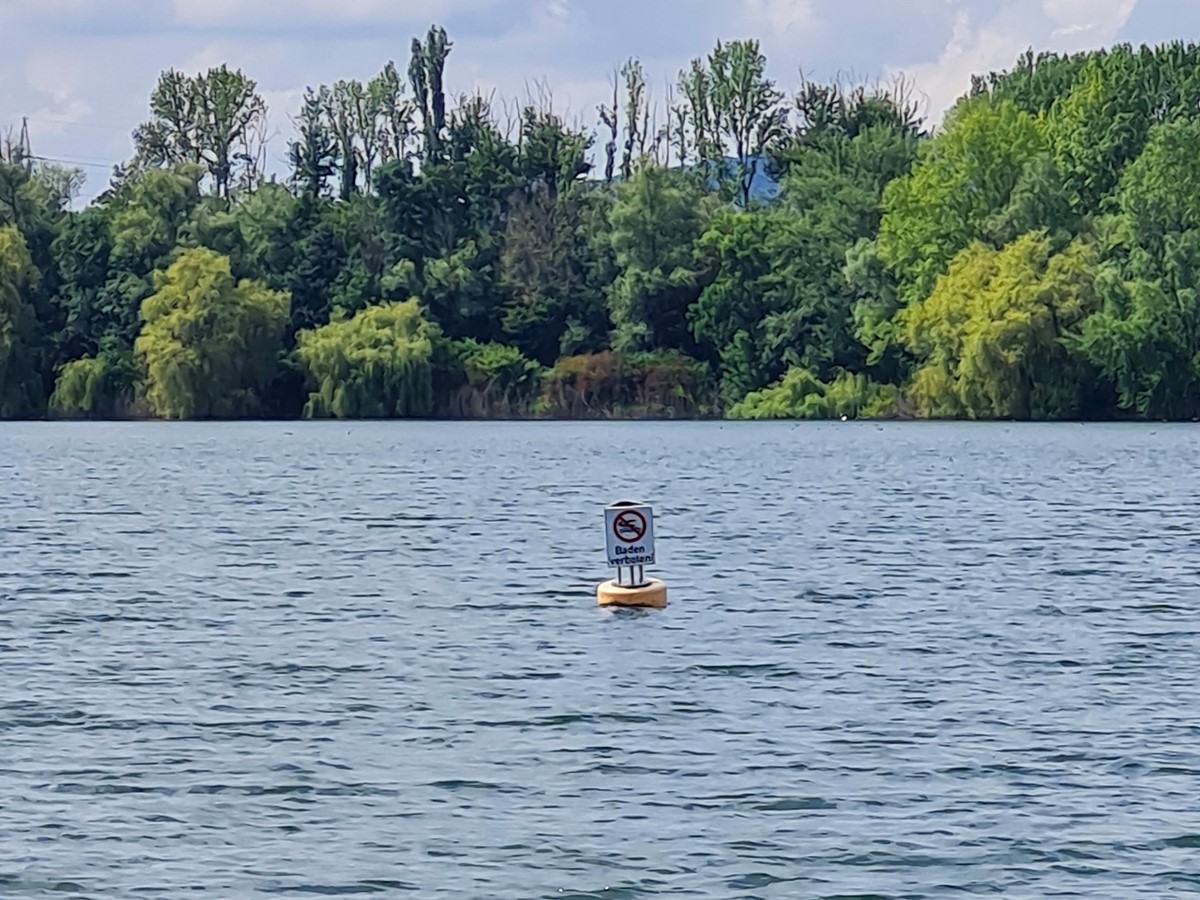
x: 629, y: 540
x: 651, y: 595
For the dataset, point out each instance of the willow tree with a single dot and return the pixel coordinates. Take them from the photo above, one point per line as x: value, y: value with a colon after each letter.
x: 95, y: 386
x: 376, y: 365
x: 19, y: 385
x: 209, y: 346
x: 996, y: 338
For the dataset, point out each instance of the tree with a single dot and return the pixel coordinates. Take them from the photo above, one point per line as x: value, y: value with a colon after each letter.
x: 20, y: 386
x: 637, y: 116
x: 658, y: 217
x: 314, y: 155
x: 374, y: 365
x: 962, y: 178
x: 734, y: 106
x: 387, y: 93
x: 426, y: 74
x: 1147, y: 337
x: 995, y: 339
x: 547, y: 268
x: 32, y: 202
x: 800, y: 395
x: 776, y: 293
x: 209, y: 345
x: 1035, y: 83
x: 497, y: 380
x: 1117, y: 97
x: 214, y: 120
x: 550, y: 155
x: 102, y: 386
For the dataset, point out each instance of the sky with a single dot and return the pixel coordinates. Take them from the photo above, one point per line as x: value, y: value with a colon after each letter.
x: 82, y: 71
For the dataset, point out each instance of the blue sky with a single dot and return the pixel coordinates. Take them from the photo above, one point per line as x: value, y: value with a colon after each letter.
x: 82, y: 70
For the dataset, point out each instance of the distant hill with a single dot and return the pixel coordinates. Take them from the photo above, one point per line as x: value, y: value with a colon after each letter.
x: 763, y: 189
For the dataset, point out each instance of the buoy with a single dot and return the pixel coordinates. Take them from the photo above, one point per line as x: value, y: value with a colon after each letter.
x: 629, y: 540
x: 651, y: 595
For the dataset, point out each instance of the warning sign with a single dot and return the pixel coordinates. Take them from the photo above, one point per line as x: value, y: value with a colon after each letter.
x: 629, y: 527
x: 629, y: 533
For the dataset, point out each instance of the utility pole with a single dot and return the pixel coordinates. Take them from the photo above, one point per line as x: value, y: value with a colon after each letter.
x: 24, y: 149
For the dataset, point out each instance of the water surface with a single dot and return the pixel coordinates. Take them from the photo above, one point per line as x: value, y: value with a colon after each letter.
x: 900, y: 660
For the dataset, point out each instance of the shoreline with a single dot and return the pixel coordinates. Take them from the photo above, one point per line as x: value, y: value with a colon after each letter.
x: 512, y: 420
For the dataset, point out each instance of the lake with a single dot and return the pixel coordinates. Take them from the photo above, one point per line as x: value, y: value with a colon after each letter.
x: 900, y: 660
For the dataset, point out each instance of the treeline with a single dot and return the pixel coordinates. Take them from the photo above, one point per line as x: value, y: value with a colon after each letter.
x: 1038, y: 257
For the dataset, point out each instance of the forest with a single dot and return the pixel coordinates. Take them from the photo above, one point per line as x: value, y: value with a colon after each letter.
x: 731, y: 249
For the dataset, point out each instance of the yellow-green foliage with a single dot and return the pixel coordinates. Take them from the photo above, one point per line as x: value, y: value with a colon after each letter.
x: 962, y: 178
x: 856, y: 396
x: 800, y: 395
x: 375, y: 365
x: 991, y: 337
x: 78, y: 388
x: 94, y: 386
x: 209, y: 345
x: 18, y: 388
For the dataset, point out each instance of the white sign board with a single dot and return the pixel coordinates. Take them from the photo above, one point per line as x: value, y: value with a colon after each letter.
x: 629, y: 534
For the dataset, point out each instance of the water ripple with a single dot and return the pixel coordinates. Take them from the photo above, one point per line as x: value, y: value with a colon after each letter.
x: 333, y: 660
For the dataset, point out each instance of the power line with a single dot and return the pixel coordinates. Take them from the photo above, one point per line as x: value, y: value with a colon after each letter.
x: 66, y: 123
x: 71, y: 162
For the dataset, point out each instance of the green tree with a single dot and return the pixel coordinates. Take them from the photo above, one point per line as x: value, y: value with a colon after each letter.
x: 497, y: 381
x: 996, y: 337
x: 102, y: 386
x: 657, y: 219
x: 20, y: 384
x: 210, y: 344
x: 777, y: 295
x: 1105, y: 120
x: 546, y: 268
x: 735, y: 108
x: 426, y: 75
x: 1147, y: 337
x: 313, y: 154
x: 215, y: 120
x: 963, y: 177
x: 374, y: 365
x: 801, y: 395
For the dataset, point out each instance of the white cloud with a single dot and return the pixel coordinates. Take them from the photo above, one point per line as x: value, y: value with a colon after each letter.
x: 995, y: 43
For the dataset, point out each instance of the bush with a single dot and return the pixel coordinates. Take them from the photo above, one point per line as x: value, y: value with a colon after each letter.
x: 489, y: 380
x: 103, y: 386
x: 800, y: 395
x: 665, y: 384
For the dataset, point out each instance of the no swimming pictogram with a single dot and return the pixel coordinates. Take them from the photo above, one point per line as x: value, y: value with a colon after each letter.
x: 629, y: 527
